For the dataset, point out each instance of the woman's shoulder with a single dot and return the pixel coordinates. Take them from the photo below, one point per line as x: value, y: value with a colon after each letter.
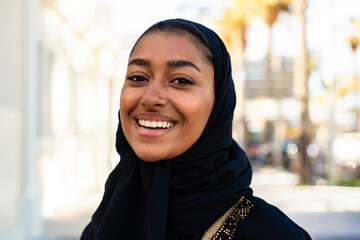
x: 258, y: 219
x: 253, y: 218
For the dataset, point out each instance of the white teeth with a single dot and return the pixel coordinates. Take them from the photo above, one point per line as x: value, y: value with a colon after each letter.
x: 155, y: 124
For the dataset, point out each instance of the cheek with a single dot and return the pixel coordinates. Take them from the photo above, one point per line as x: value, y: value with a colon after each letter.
x: 128, y: 99
x: 196, y: 112
x: 127, y: 103
x: 123, y: 107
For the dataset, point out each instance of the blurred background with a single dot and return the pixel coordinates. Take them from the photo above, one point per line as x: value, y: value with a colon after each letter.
x: 296, y: 66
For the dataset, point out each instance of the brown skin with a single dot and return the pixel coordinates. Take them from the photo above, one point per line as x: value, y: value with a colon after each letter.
x: 167, y: 80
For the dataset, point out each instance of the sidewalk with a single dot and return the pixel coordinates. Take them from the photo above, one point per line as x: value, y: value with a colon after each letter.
x: 69, y: 224
x: 280, y: 188
x: 326, y: 212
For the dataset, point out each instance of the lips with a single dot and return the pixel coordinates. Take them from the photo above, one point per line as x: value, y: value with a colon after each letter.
x: 154, y: 124
x: 151, y: 128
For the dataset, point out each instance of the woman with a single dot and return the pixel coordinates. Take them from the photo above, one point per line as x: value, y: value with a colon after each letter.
x: 181, y: 175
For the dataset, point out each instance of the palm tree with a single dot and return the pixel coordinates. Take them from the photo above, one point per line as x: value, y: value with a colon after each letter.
x: 234, y: 24
x: 301, y: 74
x: 269, y: 10
x: 235, y: 19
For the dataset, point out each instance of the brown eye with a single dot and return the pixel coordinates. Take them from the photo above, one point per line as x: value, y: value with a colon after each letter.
x: 183, y: 81
x: 136, y: 78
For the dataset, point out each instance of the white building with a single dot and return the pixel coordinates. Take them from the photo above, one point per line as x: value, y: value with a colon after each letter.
x: 60, y: 84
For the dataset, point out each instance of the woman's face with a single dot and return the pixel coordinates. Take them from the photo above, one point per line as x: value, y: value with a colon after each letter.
x: 167, y: 96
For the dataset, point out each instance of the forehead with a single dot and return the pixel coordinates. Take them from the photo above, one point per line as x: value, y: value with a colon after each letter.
x: 171, y: 43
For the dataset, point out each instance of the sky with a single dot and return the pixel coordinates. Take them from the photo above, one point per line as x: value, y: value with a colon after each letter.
x: 135, y: 16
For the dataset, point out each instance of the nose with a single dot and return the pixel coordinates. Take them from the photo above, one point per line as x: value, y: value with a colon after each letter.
x: 154, y: 94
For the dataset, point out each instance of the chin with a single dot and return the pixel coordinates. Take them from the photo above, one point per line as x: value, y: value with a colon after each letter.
x: 150, y: 157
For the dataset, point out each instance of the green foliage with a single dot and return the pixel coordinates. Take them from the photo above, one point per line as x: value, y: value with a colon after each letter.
x: 356, y: 182
x: 348, y: 182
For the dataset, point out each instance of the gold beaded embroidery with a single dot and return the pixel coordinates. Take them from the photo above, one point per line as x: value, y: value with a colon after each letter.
x: 229, y: 225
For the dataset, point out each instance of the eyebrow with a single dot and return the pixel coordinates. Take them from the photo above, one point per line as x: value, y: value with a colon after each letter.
x: 169, y: 64
x: 181, y: 63
x: 140, y: 62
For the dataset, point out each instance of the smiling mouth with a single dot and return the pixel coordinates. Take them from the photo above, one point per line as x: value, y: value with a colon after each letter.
x: 155, y: 124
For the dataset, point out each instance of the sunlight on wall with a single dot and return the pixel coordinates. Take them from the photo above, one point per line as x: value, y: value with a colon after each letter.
x: 79, y: 13
x: 60, y: 99
x: 84, y: 80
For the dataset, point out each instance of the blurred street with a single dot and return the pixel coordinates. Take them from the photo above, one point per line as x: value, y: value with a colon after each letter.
x: 296, y: 71
x: 327, y: 213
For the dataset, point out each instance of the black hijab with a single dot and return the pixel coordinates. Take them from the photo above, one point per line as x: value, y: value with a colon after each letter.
x: 182, y: 197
